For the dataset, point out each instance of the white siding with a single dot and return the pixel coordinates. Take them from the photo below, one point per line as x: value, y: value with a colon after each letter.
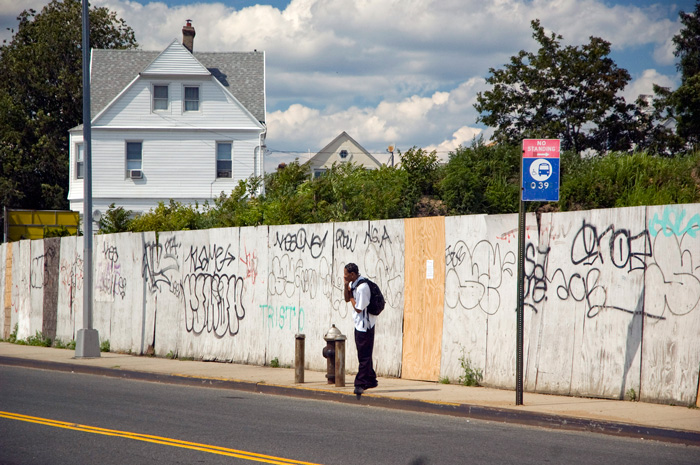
x: 75, y: 186
x: 178, y: 165
x: 217, y: 109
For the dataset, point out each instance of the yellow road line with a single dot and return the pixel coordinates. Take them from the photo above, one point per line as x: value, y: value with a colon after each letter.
x: 252, y: 456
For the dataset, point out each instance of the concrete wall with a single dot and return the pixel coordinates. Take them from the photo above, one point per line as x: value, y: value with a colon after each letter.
x: 612, y: 297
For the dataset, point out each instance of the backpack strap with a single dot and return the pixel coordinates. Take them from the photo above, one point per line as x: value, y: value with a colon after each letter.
x: 361, y: 280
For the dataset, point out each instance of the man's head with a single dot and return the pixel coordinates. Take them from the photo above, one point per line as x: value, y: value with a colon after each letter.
x: 351, y: 272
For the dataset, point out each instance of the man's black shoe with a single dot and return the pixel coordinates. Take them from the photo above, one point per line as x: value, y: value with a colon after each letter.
x: 358, y: 391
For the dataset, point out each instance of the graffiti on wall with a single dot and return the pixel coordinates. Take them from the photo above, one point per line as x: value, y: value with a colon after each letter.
x: 72, y: 278
x: 283, y: 317
x: 383, y: 262
x: 675, y: 271
x: 301, y: 241
x: 109, y: 281
x: 161, y: 267
x: 213, y: 294
x: 37, y: 274
x: 477, y: 274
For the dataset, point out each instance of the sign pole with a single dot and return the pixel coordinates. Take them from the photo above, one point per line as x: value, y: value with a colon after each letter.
x: 539, y: 181
x: 521, y: 291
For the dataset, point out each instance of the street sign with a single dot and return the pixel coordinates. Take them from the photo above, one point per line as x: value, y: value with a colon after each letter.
x: 540, y: 180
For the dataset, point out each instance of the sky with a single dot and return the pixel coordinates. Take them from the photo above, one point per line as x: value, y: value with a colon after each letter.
x: 393, y: 72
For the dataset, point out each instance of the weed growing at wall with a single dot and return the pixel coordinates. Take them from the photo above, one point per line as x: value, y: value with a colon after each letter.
x: 59, y: 344
x: 471, y: 376
x: 13, y: 335
x: 104, y: 346
x: 38, y: 340
x: 275, y: 363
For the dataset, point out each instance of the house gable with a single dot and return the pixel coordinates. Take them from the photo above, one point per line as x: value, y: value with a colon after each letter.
x: 176, y: 69
x: 175, y: 60
x: 241, y: 73
x: 343, y: 149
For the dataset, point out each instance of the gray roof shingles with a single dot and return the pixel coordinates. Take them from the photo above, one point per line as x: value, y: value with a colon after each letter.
x: 242, y: 73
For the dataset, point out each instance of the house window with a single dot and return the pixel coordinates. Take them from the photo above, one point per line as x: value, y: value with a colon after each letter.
x: 223, y: 159
x: 343, y: 154
x: 133, y: 157
x: 191, y: 98
x: 160, y: 98
x: 79, y: 161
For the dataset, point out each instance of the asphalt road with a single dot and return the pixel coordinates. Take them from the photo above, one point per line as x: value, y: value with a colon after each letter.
x: 55, y: 417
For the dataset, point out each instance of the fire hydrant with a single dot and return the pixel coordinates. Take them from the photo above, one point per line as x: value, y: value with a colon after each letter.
x: 334, y: 353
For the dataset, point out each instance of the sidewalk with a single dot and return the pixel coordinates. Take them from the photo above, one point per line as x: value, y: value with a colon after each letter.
x: 625, y: 418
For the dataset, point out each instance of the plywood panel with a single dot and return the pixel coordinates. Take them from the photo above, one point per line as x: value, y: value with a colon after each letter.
x: 36, y: 286
x: 299, y: 301
x: 671, y: 346
x: 424, y: 298
x: 253, y: 262
x: 70, y: 287
x: 7, y: 301
x: 164, y: 269
x: 51, y: 267
x: 21, y: 295
x: 377, y: 247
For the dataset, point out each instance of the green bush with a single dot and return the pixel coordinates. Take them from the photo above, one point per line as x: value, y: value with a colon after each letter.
x: 480, y: 179
x: 624, y: 180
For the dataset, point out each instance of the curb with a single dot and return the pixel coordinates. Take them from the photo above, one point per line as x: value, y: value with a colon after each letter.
x: 510, y: 416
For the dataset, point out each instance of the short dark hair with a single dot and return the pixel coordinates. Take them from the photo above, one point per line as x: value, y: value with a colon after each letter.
x: 351, y: 268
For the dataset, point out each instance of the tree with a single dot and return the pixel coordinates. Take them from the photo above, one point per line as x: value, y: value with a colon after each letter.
x: 41, y: 98
x: 569, y: 93
x: 115, y: 220
x: 686, y: 99
x: 482, y: 179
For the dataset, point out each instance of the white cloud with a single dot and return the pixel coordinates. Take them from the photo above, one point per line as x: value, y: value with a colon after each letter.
x: 644, y: 84
x: 393, y: 71
x: 461, y: 137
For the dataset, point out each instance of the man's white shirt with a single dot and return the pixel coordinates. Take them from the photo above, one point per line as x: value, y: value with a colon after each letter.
x: 361, y: 293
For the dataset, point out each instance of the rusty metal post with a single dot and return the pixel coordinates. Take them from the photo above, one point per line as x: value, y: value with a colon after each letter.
x: 299, y: 350
x: 340, y: 361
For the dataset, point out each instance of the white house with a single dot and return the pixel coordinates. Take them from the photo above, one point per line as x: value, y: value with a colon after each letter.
x: 170, y: 125
x: 342, y: 149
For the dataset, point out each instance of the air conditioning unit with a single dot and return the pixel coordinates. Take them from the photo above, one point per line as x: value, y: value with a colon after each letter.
x: 135, y: 174
x: 223, y: 174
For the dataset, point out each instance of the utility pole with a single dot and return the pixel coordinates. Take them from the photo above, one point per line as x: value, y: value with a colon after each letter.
x: 87, y: 344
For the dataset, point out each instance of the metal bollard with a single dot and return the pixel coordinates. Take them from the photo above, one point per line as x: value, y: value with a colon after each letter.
x: 299, y: 350
x: 340, y: 361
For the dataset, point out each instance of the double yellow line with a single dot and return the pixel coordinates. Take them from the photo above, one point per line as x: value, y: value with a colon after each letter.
x: 155, y: 440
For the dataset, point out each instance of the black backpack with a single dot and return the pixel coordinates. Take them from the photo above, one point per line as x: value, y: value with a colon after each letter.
x: 376, y: 299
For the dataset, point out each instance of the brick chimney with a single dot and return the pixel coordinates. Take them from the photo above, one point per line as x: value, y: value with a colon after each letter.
x: 188, y: 35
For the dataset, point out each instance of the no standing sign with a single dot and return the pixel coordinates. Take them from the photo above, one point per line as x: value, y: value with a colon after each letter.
x: 540, y: 170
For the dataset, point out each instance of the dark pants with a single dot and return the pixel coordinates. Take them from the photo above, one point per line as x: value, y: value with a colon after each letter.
x: 366, y: 377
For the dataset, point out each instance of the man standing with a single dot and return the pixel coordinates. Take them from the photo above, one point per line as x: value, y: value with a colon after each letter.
x: 357, y: 292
